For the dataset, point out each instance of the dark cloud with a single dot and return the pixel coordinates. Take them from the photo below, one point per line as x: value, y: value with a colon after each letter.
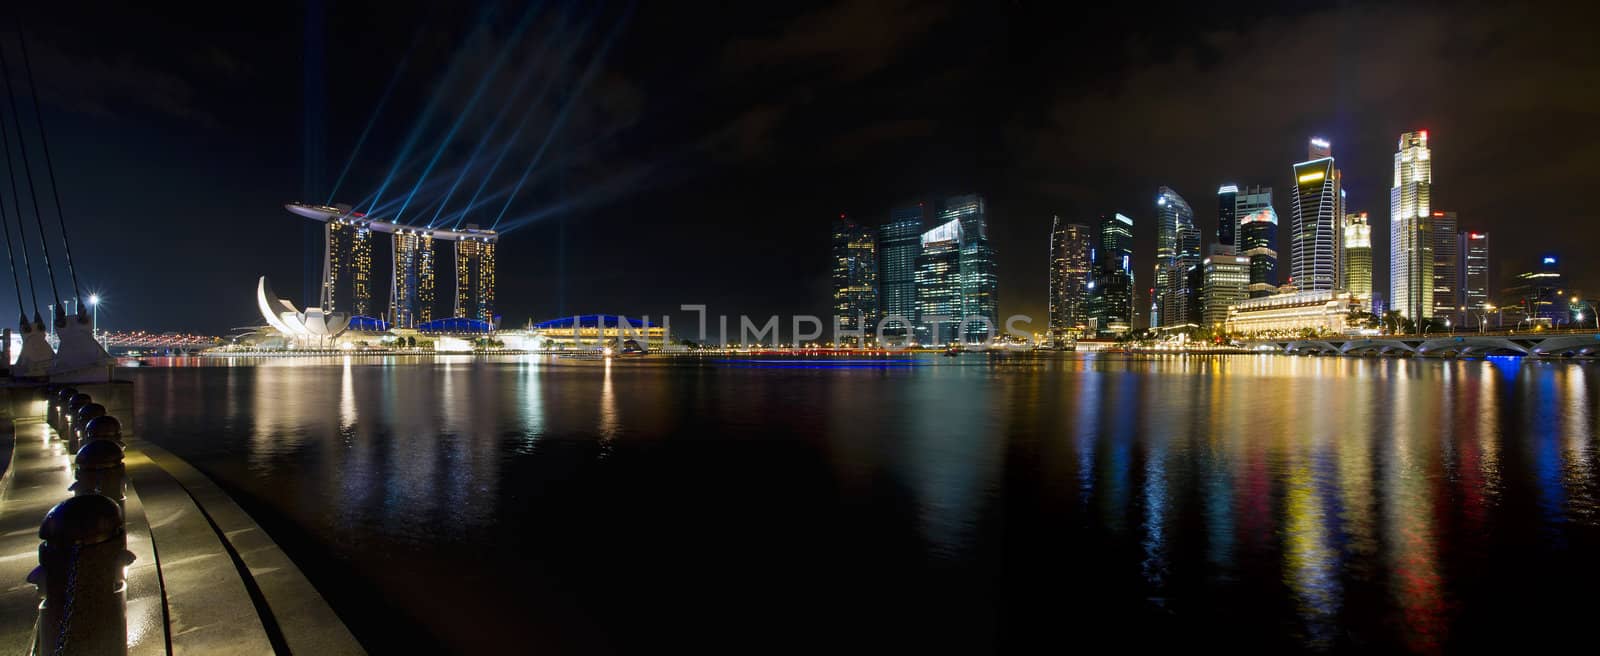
x: 847, y: 40
x: 108, y: 85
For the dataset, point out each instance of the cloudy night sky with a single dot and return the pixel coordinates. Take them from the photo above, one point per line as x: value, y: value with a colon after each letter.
x: 696, y: 153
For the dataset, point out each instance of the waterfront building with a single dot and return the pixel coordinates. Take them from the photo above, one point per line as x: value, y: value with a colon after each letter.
x: 598, y: 331
x: 1358, y: 257
x: 475, y: 268
x: 1475, y: 276
x: 1112, y: 289
x: 1258, y: 238
x: 1537, y: 297
x: 1314, y: 222
x: 1177, y: 256
x: 1446, y: 266
x: 1227, y: 218
x: 899, y: 243
x: 855, y: 276
x: 347, y: 268
x: 939, y: 283
x: 1411, y: 257
x: 411, y: 293
x: 1226, y: 282
x: 1071, y: 249
x: 980, y: 281
x: 1316, y: 311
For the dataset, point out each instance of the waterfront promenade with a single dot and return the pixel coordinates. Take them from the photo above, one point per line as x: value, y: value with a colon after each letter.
x: 205, y: 579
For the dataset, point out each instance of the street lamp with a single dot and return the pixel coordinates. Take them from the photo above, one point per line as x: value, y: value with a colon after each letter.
x: 94, y: 307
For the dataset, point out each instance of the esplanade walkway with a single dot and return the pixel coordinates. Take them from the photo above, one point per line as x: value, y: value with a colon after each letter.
x: 1534, y: 343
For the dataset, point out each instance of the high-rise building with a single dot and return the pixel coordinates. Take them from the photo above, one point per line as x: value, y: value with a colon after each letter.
x: 1536, y: 297
x: 347, y: 268
x: 412, y: 291
x: 475, y: 274
x: 1446, y: 266
x: 899, y: 243
x: 1475, y: 280
x: 855, y: 276
x: 1258, y: 238
x: 939, y: 283
x: 1314, y: 222
x: 1071, y: 247
x: 1177, y: 256
x: 1228, y: 218
x: 1358, y: 257
x: 1410, y: 239
x: 1112, y: 289
x: 1225, y: 282
x: 980, y: 280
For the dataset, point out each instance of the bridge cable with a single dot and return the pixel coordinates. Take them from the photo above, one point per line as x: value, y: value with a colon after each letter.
x: 49, y: 166
x: 27, y: 170
x: 22, y: 236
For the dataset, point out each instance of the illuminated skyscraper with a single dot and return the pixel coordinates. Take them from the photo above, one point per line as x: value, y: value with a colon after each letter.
x: 1358, y: 257
x: 1227, y: 218
x: 1258, y: 238
x: 899, y: 243
x: 1410, y: 239
x: 1475, y: 280
x: 855, y: 276
x: 939, y: 297
x: 980, y: 281
x: 1177, y: 256
x: 347, y: 268
x: 1446, y: 266
x: 1111, y: 296
x: 411, y: 295
x: 1314, y: 222
x: 475, y: 274
x: 1225, y: 281
x: 1071, y: 246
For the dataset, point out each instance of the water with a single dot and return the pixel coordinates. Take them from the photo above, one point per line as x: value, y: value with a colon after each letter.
x: 1257, y: 503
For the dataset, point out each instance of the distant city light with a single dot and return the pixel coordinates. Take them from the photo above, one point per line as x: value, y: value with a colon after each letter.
x: 1549, y: 260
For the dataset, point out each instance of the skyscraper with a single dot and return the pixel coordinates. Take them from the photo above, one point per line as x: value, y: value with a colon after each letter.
x: 1227, y: 218
x: 475, y: 266
x: 1410, y: 240
x: 1226, y: 281
x: 1112, y: 290
x: 1358, y: 257
x: 1258, y: 238
x: 1314, y: 230
x: 1537, y: 297
x: 1071, y: 245
x: 1446, y: 266
x: 1177, y: 254
x: 1475, y: 280
x: 855, y: 276
x: 347, y: 268
x: 898, y: 246
x: 980, y: 281
x: 411, y: 294
x: 939, y: 297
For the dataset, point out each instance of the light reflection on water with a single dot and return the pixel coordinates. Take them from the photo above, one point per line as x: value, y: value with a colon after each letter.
x: 1263, y: 502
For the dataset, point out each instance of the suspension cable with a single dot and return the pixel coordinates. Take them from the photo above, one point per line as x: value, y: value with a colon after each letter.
x: 33, y: 193
x: 49, y: 167
x: 22, y: 235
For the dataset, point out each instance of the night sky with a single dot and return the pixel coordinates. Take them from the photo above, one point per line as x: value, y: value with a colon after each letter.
x: 706, y: 155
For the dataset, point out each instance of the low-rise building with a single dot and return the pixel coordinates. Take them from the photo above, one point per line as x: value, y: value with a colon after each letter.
x: 1322, y: 311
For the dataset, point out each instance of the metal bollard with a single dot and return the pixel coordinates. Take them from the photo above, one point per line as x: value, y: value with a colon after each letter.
x: 64, y: 421
x: 75, y: 436
x: 100, y: 470
x: 103, y: 428
x: 59, y: 403
x: 81, y: 573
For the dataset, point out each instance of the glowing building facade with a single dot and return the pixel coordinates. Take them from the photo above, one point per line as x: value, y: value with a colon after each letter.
x: 1071, y: 248
x: 899, y: 243
x: 1111, y: 306
x: 1258, y: 238
x: 855, y: 276
x: 347, y: 268
x: 980, y: 279
x: 1225, y: 282
x: 1314, y: 222
x: 1358, y: 256
x: 1410, y: 238
x: 939, y: 294
x: 412, y: 292
x: 475, y: 266
x: 1446, y: 266
x: 1177, y: 258
x: 1475, y: 277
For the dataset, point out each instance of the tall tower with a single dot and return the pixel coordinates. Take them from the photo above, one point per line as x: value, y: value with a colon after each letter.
x: 1314, y: 222
x: 1410, y: 237
x: 1177, y: 255
x: 1111, y: 298
x: 347, y: 268
x: 1446, y: 266
x: 1358, y: 257
x: 1070, y: 247
x: 475, y: 264
x: 1227, y: 219
x: 980, y: 282
x: 411, y: 294
x: 855, y: 275
x: 1474, y: 249
x: 898, y: 246
x: 1258, y: 238
x: 939, y: 283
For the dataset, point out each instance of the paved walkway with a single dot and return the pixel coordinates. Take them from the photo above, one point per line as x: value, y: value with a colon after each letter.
x: 205, y: 580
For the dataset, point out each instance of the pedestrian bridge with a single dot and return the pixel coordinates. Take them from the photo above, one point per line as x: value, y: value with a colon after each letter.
x: 1550, y: 344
